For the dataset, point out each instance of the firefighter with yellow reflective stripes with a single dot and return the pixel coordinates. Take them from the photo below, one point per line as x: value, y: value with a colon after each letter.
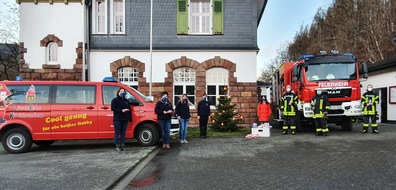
x: 288, y: 107
x: 321, y: 105
x: 369, y: 100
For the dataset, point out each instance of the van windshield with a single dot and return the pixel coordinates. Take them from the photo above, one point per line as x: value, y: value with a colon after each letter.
x: 145, y: 98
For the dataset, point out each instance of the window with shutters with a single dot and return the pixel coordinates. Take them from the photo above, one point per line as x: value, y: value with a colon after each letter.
x: 117, y: 12
x: 216, y: 84
x: 99, y: 23
x: 202, y: 17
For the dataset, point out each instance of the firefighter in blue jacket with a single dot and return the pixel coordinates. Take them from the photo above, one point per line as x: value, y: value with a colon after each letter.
x: 321, y: 106
x: 369, y: 100
x: 288, y: 107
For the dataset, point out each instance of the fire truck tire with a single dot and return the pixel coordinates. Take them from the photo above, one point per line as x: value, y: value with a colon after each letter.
x: 346, y: 124
x: 17, y: 140
x: 44, y: 144
x: 147, y: 135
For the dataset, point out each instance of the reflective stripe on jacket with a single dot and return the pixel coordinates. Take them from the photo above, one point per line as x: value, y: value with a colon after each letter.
x: 370, y: 97
x: 289, y: 110
x: 320, y: 104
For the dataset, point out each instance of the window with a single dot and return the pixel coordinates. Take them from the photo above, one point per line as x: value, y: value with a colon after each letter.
x: 99, y: 23
x: 217, y: 84
x: 110, y: 92
x: 200, y: 17
x: 118, y: 17
x: 52, y: 53
x: 129, y: 76
x: 184, y: 83
x: 29, y: 94
x: 75, y: 94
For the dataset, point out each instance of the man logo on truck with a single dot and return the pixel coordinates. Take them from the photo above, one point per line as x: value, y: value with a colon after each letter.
x: 4, y: 102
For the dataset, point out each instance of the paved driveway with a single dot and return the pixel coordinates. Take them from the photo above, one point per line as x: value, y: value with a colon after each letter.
x: 343, y: 160
x: 69, y: 165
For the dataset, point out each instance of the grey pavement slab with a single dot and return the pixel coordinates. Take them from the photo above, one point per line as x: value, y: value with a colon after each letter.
x: 69, y: 165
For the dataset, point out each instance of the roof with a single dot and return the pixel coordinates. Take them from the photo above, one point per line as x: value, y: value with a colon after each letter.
x: 261, y: 83
x: 5, y: 49
x: 384, y: 66
x: 260, y: 9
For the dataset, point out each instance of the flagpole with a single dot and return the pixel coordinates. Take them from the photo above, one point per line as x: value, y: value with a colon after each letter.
x: 151, y: 49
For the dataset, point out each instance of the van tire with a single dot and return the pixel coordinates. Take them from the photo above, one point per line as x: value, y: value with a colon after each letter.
x: 147, y: 135
x: 44, y: 144
x: 17, y: 140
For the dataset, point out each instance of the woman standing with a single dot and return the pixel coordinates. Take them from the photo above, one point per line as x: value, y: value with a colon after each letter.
x: 183, y: 115
x: 164, y: 111
x: 121, y: 115
x: 263, y: 110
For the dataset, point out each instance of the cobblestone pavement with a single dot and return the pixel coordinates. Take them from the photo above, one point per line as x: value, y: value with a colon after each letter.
x: 343, y: 160
x: 69, y: 165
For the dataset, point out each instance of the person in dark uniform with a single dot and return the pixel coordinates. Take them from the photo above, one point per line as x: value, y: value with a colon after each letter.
x: 288, y: 107
x: 164, y: 111
x: 203, y: 112
x: 321, y: 106
x: 121, y: 115
x: 369, y: 100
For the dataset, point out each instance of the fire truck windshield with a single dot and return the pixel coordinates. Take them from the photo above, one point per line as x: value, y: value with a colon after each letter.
x: 330, y: 71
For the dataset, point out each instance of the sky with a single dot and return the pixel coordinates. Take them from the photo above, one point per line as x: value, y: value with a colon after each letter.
x: 280, y: 22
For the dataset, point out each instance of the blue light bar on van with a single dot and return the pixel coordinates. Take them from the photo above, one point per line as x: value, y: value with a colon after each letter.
x: 348, y: 54
x: 19, y: 78
x: 305, y: 57
x: 109, y: 79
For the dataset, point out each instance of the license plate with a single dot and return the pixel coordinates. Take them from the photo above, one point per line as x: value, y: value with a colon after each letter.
x: 335, y: 107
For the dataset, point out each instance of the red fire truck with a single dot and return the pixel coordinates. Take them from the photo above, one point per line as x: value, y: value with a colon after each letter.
x: 338, y: 74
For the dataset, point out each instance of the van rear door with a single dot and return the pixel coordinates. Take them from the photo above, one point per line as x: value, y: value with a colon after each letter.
x: 74, y: 112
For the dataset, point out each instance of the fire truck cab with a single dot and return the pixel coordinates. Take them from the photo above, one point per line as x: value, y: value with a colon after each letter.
x: 336, y: 74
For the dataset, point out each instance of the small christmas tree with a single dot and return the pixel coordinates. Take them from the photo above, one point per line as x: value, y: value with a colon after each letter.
x: 226, y: 118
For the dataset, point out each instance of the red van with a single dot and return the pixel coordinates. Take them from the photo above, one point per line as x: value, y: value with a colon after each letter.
x: 42, y: 112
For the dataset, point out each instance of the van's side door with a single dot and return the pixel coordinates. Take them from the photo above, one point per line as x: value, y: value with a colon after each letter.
x: 74, y: 112
x: 105, y: 126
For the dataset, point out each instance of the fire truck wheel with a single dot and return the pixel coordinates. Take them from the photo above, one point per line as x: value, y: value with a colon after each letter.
x: 44, y: 144
x: 346, y: 124
x: 147, y: 135
x: 17, y: 140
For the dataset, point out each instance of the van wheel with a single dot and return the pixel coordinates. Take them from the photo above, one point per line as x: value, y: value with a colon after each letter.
x: 147, y: 135
x: 44, y: 144
x: 17, y: 140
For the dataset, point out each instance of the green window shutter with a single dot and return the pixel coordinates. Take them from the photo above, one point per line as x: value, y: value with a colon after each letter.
x: 218, y: 17
x: 182, y: 17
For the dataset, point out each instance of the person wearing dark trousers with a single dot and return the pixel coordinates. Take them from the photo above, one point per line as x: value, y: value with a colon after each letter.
x: 288, y: 107
x: 183, y: 115
x: 121, y: 116
x: 321, y: 106
x: 203, y: 112
x: 369, y: 100
x: 164, y: 111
